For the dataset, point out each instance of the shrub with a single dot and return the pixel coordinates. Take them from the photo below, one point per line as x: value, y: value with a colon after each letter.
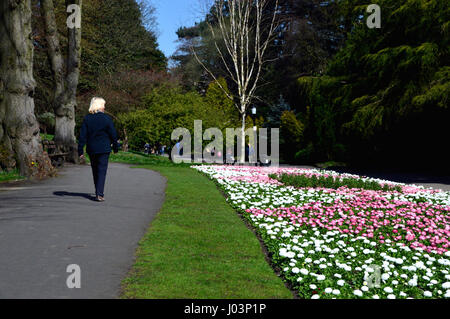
x: 47, y: 122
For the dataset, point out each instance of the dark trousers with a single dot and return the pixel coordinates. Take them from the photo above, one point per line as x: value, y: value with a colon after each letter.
x: 99, y: 164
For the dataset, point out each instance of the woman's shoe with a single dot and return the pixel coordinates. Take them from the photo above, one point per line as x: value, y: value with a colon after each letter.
x: 99, y: 199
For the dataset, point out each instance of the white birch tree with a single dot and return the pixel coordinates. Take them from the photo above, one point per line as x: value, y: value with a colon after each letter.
x: 242, y: 34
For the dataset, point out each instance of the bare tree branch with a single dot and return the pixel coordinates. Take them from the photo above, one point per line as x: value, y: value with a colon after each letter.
x: 245, y: 21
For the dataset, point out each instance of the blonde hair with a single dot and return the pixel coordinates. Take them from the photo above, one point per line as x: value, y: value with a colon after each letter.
x: 97, y: 103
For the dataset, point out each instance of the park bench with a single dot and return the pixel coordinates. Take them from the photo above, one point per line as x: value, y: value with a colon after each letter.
x: 57, y: 158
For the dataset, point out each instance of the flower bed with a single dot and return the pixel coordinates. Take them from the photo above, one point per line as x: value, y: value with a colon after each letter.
x: 336, y: 243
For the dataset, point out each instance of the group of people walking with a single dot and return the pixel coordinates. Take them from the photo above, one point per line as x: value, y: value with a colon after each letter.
x: 159, y: 150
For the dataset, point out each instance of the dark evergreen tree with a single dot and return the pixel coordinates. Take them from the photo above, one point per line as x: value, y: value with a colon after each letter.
x: 385, y: 95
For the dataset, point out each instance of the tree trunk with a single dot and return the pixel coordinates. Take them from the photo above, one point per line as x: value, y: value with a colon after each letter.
x: 242, y: 159
x: 66, y: 77
x: 20, y: 142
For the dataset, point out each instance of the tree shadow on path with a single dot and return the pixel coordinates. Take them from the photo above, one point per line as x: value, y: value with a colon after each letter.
x: 82, y: 195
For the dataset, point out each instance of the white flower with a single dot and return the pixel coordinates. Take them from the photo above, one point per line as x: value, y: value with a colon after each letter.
x: 328, y: 290
x: 341, y: 282
x: 315, y: 297
x: 391, y: 296
x: 446, y: 285
x: 388, y: 289
x: 427, y: 294
x: 295, y: 270
x: 412, y: 268
x: 312, y: 286
x: 365, y: 288
x: 358, y: 293
x: 321, y: 277
x: 290, y: 254
x: 376, y: 297
x: 413, y: 282
x: 336, y: 292
x: 304, y: 271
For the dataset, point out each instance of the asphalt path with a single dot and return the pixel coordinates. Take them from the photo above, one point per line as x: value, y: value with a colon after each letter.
x: 47, y: 226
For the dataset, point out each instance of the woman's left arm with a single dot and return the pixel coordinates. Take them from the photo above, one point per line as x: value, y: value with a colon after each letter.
x: 113, y: 136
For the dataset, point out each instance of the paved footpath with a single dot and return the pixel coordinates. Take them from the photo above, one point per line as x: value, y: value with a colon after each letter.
x: 46, y: 226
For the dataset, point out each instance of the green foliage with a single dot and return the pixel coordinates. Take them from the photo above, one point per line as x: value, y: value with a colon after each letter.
x: 386, y: 91
x: 117, y: 35
x: 49, y: 137
x: 141, y: 127
x: 4, y: 157
x: 301, y: 181
x: 168, y: 108
x: 221, y: 110
x: 115, y: 38
x: 291, y: 130
x: 47, y: 121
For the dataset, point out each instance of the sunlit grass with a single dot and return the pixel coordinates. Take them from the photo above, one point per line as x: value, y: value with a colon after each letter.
x: 198, y: 247
x: 10, y: 176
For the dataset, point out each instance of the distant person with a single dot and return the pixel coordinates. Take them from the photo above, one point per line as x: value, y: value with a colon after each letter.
x: 146, y: 148
x: 219, y: 156
x: 251, y: 152
x: 247, y: 153
x: 98, y: 133
x: 229, y: 157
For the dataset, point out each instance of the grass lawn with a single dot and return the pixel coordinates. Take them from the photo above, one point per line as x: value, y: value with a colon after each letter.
x: 141, y: 159
x: 11, y: 176
x: 198, y: 247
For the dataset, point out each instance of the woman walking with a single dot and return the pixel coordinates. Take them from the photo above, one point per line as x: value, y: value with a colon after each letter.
x: 98, y: 133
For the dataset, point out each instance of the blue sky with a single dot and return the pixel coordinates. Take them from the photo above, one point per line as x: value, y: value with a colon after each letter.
x: 172, y: 14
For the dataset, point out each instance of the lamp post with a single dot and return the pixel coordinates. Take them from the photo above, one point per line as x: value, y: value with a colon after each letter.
x: 255, y: 133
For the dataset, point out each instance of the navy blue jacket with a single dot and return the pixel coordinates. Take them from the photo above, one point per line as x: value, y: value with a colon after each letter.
x: 98, y: 133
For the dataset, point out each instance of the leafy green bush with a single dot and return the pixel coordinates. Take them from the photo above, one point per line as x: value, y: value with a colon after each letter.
x: 291, y: 130
x: 168, y: 108
x: 47, y: 122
